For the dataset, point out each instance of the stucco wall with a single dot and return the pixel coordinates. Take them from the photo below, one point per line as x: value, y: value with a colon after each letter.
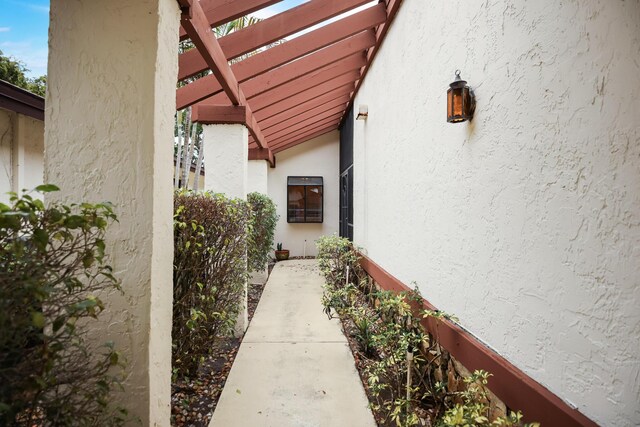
x: 524, y: 223
x: 21, y: 153
x: 109, y: 125
x: 317, y: 157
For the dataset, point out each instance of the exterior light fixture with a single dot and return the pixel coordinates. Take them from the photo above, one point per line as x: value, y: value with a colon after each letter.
x: 461, y: 102
x: 363, y: 112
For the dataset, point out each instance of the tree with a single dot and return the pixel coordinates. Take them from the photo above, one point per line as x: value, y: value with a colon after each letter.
x: 14, y: 72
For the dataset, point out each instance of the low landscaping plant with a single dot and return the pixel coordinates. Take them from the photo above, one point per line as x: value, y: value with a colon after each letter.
x: 209, y: 274
x: 262, y: 227
x: 53, y: 270
x: 410, y: 379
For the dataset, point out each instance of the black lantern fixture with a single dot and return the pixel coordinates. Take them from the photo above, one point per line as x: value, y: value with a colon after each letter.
x: 461, y: 102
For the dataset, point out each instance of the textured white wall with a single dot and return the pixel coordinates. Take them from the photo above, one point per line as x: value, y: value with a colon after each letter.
x: 257, y: 176
x: 524, y: 223
x: 109, y: 126
x: 226, y: 150
x: 317, y: 157
x: 21, y: 153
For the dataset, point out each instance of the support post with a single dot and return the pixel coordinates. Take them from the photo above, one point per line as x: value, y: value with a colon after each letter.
x: 226, y: 148
x: 108, y: 132
x: 258, y: 171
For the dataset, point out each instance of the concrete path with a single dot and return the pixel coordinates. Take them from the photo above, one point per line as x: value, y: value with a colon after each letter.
x: 294, y: 367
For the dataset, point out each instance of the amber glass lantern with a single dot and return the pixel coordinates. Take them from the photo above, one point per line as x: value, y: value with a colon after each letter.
x: 461, y: 103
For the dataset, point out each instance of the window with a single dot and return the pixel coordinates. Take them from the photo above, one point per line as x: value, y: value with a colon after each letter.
x: 304, y: 199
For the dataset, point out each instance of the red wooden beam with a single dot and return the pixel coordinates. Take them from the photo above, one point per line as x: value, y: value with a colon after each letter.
x: 304, y: 138
x: 208, y: 86
x: 313, y: 114
x: 311, y: 107
x: 268, y: 31
x: 219, y: 114
x: 220, y: 12
x: 515, y: 388
x: 312, y: 123
x: 295, y: 136
x: 293, y: 120
x: 309, y: 86
x: 195, y: 24
x: 346, y: 49
x: 262, y: 154
x: 298, y: 104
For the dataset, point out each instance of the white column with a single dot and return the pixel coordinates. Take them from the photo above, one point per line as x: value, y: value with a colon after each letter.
x: 257, y: 176
x: 226, y: 150
x: 258, y: 182
x: 108, y: 136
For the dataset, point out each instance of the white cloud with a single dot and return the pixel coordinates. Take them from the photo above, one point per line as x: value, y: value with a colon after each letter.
x: 5, y: 29
x: 33, y: 57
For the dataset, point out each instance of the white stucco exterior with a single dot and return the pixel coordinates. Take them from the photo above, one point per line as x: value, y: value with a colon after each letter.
x: 317, y: 157
x: 21, y: 153
x: 226, y: 150
x: 109, y: 125
x: 524, y: 223
x: 257, y: 176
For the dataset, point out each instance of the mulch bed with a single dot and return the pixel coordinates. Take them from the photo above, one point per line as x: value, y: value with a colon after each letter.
x: 193, y: 402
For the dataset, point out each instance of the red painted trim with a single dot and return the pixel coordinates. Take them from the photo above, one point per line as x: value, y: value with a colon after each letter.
x: 268, y: 31
x: 295, y: 108
x: 262, y: 154
x: 313, y: 107
x: 305, y: 88
x: 295, y: 136
x: 219, y: 114
x: 220, y: 12
x: 305, y: 138
x: 323, y: 119
x: 515, y: 388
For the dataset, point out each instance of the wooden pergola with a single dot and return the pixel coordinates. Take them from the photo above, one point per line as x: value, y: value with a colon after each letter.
x: 286, y: 93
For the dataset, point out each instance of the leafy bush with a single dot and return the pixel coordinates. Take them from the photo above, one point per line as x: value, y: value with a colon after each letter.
x: 52, y: 269
x: 209, y: 273
x: 262, y: 228
x: 410, y: 378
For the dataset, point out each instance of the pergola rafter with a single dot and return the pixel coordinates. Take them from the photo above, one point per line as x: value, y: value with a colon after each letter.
x: 289, y: 90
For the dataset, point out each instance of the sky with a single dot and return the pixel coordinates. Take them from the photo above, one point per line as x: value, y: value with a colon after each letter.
x: 24, y: 26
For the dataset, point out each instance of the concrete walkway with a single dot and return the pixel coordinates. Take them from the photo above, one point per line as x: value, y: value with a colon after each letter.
x: 294, y: 367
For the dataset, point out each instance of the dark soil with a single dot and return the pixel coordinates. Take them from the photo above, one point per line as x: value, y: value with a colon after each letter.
x: 193, y: 401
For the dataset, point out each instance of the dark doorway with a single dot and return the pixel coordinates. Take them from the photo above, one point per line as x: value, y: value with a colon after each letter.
x: 346, y: 176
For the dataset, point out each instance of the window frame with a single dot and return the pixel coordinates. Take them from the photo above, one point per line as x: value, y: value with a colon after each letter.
x: 321, y: 185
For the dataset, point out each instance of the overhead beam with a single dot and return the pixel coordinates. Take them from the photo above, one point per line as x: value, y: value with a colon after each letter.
x: 208, y: 86
x: 309, y: 86
x: 304, y: 138
x: 262, y: 154
x: 195, y: 24
x: 268, y: 31
x: 302, y: 133
x: 229, y: 114
x: 220, y: 12
x: 311, y: 107
x: 322, y: 119
x: 311, y: 115
x: 300, y: 103
x: 200, y: 33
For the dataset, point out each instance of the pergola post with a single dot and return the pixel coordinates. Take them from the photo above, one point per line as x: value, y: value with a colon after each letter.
x: 257, y: 182
x: 108, y: 137
x: 226, y: 150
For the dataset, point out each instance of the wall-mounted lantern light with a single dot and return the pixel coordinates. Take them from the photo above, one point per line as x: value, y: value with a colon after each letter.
x: 461, y: 102
x: 363, y: 112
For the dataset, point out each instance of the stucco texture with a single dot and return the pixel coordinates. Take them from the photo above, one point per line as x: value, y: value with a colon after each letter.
x: 317, y: 157
x: 524, y: 223
x: 21, y: 153
x: 109, y: 126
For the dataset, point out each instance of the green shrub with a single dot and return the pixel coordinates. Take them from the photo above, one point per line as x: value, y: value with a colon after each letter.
x: 52, y: 271
x: 209, y: 273
x: 392, y: 342
x: 262, y: 228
